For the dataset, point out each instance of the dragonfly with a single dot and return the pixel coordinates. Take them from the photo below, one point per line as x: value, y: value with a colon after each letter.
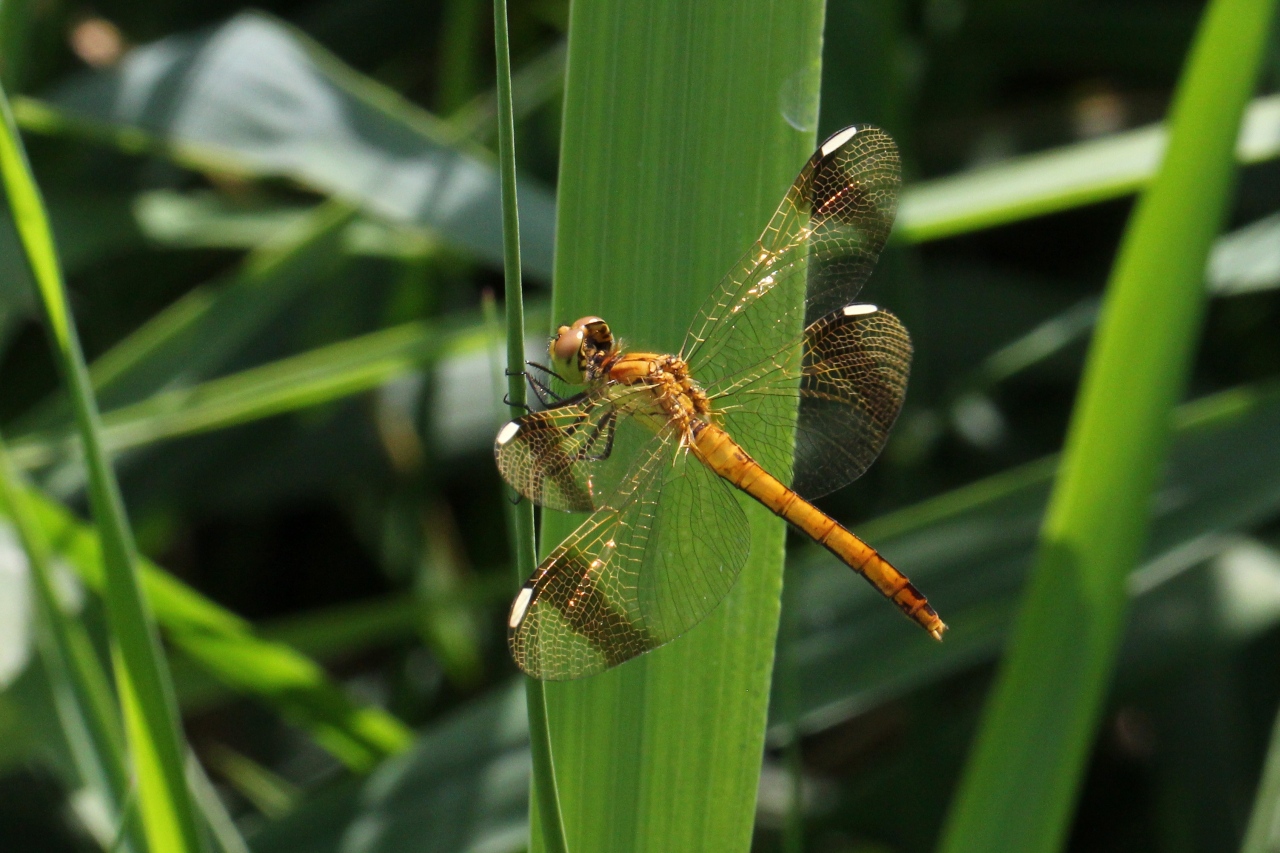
x: 659, y: 447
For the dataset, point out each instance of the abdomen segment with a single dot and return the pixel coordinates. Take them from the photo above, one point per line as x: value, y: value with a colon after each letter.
x: 721, y: 453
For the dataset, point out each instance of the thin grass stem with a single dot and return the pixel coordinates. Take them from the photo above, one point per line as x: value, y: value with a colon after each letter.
x: 545, y: 793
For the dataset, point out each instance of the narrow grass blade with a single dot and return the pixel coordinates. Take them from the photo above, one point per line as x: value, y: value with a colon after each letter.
x: 676, y: 148
x: 313, y: 378
x: 1061, y: 179
x: 142, y: 680
x: 196, y: 335
x: 226, y: 646
x: 549, y: 828
x: 80, y: 690
x: 1019, y: 787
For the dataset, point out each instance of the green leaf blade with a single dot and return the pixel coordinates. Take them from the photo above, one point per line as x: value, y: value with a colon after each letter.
x: 675, y: 151
x: 1019, y: 788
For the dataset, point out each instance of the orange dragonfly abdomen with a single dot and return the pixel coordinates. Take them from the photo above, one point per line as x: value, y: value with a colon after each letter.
x: 719, y: 452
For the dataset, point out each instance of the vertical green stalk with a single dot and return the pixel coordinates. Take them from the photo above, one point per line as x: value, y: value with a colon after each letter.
x: 545, y: 795
x: 145, y: 691
x: 684, y: 125
x: 80, y: 692
x: 1019, y: 788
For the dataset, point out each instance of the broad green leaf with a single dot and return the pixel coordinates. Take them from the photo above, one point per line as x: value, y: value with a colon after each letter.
x: 256, y: 98
x: 676, y: 150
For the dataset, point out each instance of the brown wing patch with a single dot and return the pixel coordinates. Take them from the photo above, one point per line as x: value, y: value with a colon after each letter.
x: 551, y: 457
x: 587, y: 632
x: 636, y: 574
x: 848, y: 379
x: 813, y: 257
x: 856, y: 364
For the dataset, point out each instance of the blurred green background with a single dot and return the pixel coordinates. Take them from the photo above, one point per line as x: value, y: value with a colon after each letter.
x: 279, y: 226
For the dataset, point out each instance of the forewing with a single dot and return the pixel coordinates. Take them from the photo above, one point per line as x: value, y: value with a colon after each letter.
x: 814, y: 256
x: 636, y: 574
x: 848, y: 378
x: 569, y: 457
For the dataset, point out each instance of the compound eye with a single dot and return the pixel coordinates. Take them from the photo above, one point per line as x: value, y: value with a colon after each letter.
x: 566, y: 345
x: 566, y: 353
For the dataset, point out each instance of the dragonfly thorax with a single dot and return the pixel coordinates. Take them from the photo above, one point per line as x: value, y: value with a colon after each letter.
x: 672, y: 396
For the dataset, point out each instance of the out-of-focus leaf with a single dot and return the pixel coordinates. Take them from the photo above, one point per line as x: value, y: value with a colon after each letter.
x: 464, y: 786
x: 194, y: 337
x: 211, y: 220
x: 15, y: 608
x: 258, y: 98
x: 1248, y: 259
x: 1263, y: 833
x: 311, y: 379
x: 227, y: 647
x: 89, y: 226
x: 155, y: 740
x: 1061, y: 179
x: 971, y: 550
x: 532, y: 85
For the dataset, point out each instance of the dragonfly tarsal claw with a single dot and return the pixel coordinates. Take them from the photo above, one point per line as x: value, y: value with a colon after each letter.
x: 506, y: 399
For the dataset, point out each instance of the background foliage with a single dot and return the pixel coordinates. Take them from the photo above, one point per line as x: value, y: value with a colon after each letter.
x: 278, y: 225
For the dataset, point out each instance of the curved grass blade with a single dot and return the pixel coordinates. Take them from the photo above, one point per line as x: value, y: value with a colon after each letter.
x: 81, y: 693
x: 226, y: 646
x: 1019, y: 787
x: 142, y: 679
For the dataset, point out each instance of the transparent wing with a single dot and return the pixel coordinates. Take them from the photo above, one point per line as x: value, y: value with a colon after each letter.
x: 563, y: 458
x: 638, y: 573
x: 813, y: 257
x: 848, y: 378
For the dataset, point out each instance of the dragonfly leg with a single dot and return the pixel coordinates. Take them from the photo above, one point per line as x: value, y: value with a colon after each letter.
x: 545, y: 370
x: 506, y: 399
x: 546, y: 397
x: 607, y: 427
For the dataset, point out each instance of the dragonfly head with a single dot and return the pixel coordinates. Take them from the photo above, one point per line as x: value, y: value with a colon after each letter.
x: 577, y: 350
